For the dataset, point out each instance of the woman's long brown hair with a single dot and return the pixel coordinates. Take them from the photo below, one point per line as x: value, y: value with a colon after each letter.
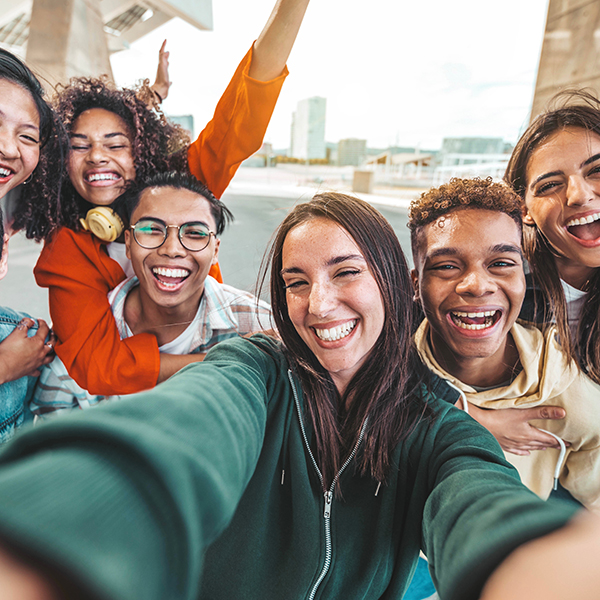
x: 385, y: 388
x: 576, y: 109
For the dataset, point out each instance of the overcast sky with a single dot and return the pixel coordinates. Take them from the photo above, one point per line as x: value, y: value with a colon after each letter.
x: 393, y: 71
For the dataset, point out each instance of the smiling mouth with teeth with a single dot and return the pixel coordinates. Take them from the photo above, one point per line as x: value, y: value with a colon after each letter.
x: 170, y: 277
x: 475, y: 320
x: 102, y: 177
x: 5, y: 172
x: 585, y: 228
x: 335, y: 333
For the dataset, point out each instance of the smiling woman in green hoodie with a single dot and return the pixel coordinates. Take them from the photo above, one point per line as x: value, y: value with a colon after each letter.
x: 312, y: 468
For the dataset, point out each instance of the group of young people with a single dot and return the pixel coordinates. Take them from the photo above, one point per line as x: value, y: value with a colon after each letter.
x: 317, y: 460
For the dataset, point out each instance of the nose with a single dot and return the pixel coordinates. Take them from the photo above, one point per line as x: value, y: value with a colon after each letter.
x: 321, y: 300
x: 96, y: 154
x: 8, y: 145
x: 579, y: 191
x: 476, y: 283
x: 172, y: 246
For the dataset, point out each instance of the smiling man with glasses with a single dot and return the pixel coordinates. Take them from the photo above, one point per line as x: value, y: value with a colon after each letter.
x: 172, y: 243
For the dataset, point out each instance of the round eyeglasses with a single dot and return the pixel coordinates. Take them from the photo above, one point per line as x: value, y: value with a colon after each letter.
x: 152, y: 233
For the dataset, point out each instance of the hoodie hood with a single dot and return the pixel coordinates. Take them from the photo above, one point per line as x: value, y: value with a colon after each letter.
x: 544, y: 375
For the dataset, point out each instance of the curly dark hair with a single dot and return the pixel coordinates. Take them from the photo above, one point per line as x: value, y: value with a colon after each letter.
x: 157, y: 146
x: 460, y: 194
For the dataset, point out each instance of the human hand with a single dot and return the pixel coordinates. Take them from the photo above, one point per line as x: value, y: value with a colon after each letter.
x: 21, y: 356
x: 162, y: 84
x: 510, y: 426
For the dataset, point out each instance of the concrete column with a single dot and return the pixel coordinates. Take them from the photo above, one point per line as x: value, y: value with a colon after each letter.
x: 571, y: 50
x: 67, y: 39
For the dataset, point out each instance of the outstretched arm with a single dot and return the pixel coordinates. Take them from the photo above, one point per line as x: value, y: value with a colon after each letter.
x: 162, y: 83
x: 274, y: 44
x: 563, y: 564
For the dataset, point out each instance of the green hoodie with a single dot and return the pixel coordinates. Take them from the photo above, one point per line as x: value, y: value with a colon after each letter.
x: 177, y: 493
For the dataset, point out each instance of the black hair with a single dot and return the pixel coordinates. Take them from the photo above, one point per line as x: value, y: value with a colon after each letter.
x: 14, y: 70
x: 180, y: 181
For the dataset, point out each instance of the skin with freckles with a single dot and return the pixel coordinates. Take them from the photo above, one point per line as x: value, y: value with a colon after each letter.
x: 563, y: 190
x: 333, y: 300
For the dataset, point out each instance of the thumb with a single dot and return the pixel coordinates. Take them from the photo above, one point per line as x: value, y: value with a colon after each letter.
x: 549, y: 412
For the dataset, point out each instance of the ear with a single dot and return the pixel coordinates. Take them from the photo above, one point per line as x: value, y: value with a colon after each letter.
x: 215, y: 258
x: 527, y: 218
x: 128, y: 243
x: 4, y: 259
x: 414, y: 275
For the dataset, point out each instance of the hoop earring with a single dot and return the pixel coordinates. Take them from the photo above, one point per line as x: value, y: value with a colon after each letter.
x: 28, y: 179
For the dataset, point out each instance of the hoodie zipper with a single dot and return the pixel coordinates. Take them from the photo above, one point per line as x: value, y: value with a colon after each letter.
x: 328, y: 495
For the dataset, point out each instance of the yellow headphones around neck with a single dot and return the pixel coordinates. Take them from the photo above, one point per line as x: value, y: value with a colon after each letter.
x: 104, y: 223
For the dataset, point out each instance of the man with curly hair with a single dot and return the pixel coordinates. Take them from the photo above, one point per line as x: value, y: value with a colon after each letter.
x: 470, y: 282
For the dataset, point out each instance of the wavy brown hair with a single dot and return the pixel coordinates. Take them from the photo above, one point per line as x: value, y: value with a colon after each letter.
x: 157, y: 146
x: 581, y: 109
x: 384, y: 388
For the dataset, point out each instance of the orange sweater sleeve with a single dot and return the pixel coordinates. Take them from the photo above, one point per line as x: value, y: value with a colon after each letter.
x: 78, y: 273
x: 235, y: 132
x: 237, y: 128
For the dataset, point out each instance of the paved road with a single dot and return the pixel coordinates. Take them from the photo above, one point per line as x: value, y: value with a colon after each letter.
x: 242, y: 248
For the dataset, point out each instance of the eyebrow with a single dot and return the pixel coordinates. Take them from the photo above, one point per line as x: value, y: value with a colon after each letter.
x: 107, y: 136
x: 585, y: 163
x: 330, y: 263
x: 497, y: 249
x: 150, y: 218
x: 24, y: 123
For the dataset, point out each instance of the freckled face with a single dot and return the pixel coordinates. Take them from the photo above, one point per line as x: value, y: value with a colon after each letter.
x: 470, y: 281
x: 100, y: 160
x: 19, y: 135
x: 333, y: 299
x: 563, y: 194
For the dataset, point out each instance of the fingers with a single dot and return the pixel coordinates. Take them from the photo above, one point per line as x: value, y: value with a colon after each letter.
x: 25, y: 324
x: 551, y: 412
x: 162, y: 47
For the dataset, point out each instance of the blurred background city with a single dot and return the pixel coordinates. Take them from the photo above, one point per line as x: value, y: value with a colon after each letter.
x: 383, y: 100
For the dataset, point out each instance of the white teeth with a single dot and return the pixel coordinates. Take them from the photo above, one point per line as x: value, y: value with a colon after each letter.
x: 584, y: 220
x: 179, y: 273
x: 4, y: 172
x: 102, y: 176
x: 335, y: 333
x: 474, y: 315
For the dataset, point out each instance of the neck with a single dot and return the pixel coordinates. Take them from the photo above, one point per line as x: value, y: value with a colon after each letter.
x: 487, y: 371
x: 575, y: 274
x: 165, y: 323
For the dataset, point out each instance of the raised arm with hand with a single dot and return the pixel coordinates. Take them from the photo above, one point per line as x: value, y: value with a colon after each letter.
x: 274, y: 44
x: 162, y: 83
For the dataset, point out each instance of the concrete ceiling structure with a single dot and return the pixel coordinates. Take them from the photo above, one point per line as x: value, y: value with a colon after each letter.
x: 65, y: 38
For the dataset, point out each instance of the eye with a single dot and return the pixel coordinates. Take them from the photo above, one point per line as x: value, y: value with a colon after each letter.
x: 503, y: 263
x: 294, y: 285
x: 547, y: 187
x: 29, y: 139
x: 348, y: 272
x: 196, y: 232
x: 79, y: 147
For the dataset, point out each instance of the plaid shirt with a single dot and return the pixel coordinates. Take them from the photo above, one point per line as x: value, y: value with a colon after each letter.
x: 224, y: 312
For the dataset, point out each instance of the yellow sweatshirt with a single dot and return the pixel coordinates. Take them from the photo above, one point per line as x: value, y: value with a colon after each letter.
x: 545, y: 378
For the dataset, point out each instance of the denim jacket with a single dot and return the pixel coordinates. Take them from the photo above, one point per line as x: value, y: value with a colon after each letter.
x: 14, y: 395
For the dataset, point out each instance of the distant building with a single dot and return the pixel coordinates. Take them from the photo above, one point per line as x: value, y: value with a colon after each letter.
x: 471, y: 157
x: 308, y: 129
x: 473, y: 145
x: 351, y: 151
